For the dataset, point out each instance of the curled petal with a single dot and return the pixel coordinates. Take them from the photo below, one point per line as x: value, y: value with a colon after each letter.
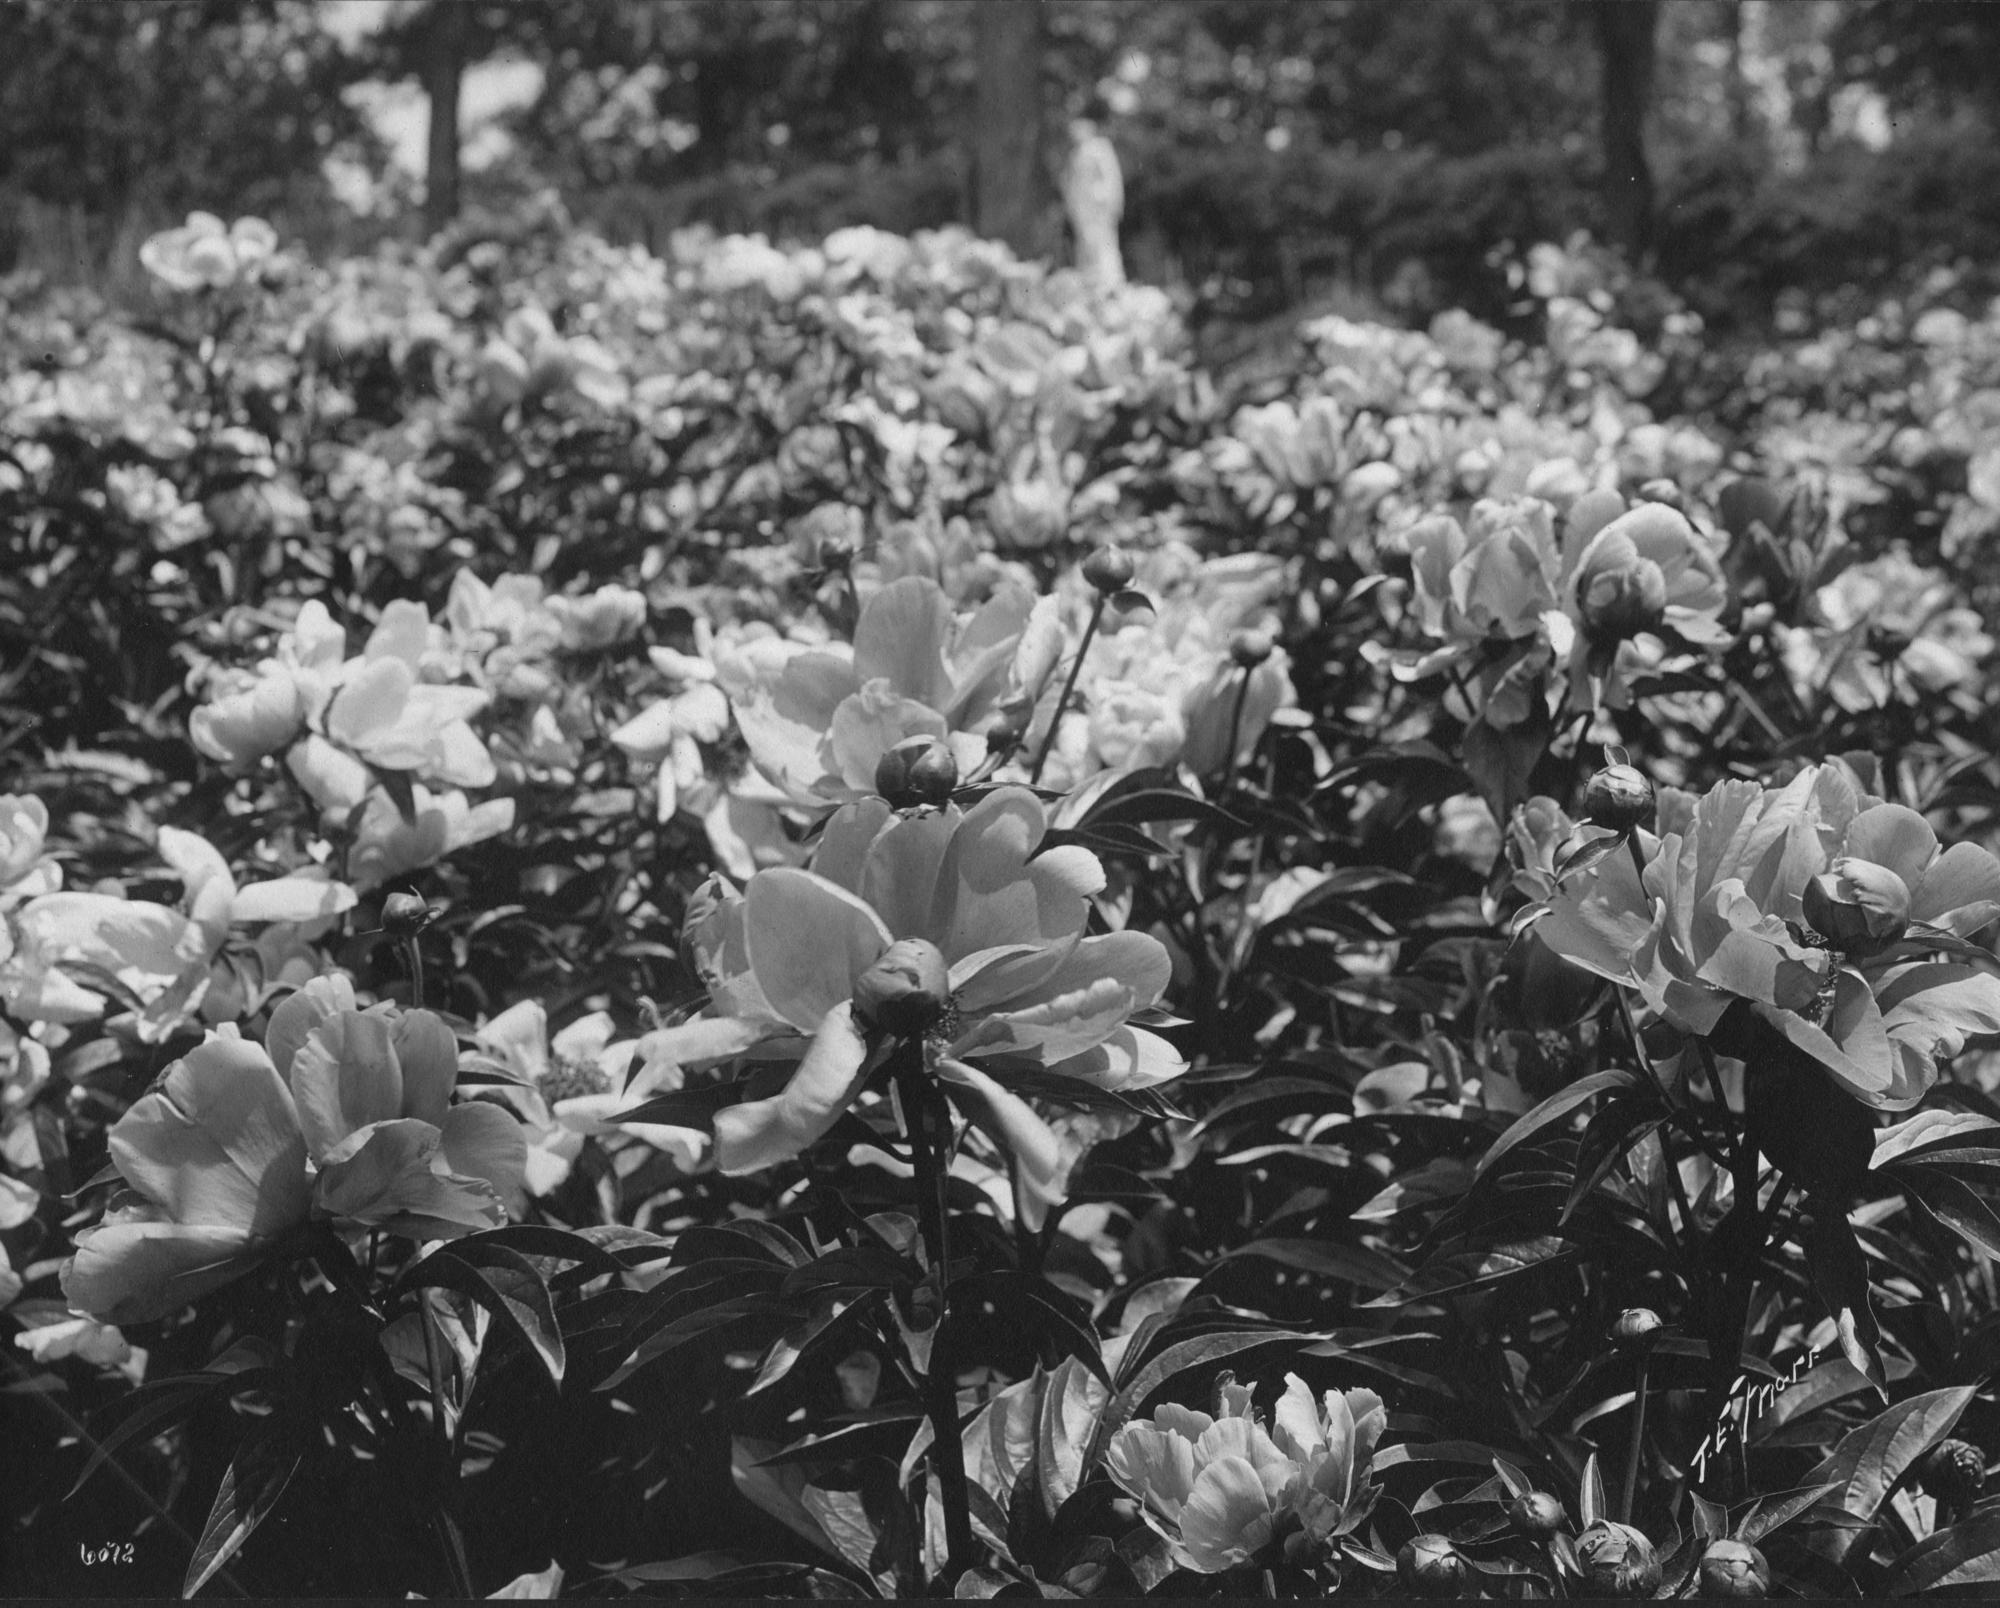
x: 293, y: 1021
x: 1042, y: 1160
x: 140, y: 1265
x: 346, y: 1077
x: 392, y: 1176
x: 480, y: 1140
x: 761, y: 1133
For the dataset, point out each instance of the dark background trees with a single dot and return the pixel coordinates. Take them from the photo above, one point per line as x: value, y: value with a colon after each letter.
x: 1274, y: 153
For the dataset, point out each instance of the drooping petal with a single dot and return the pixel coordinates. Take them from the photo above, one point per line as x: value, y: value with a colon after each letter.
x: 761, y: 1133
x: 138, y: 1265
x: 346, y: 1077
x: 1042, y: 1160
x: 1128, y: 1058
x: 808, y: 940
x: 217, y: 1142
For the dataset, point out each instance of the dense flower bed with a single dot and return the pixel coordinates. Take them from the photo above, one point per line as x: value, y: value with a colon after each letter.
x: 820, y: 922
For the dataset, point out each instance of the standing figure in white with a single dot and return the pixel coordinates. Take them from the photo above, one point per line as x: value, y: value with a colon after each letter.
x: 1094, y: 194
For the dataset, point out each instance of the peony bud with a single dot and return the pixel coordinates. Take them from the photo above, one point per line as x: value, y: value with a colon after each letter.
x: 404, y: 915
x: 1858, y: 906
x: 1619, y: 593
x: 1250, y: 648
x: 1537, y: 1513
x: 1617, y: 1560
x: 1636, y: 1328
x: 1734, y: 1569
x: 1620, y: 797
x: 1431, y: 1566
x: 1109, y: 569
x: 917, y: 771
x: 1954, y: 1473
x: 906, y: 990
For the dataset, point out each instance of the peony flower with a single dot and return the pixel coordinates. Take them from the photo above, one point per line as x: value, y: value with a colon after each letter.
x: 1218, y: 1488
x: 1722, y: 916
x: 26, y: 872
x: 388, y: 844
x: 819, y: 720
x: 248, y: 715
x: 343, y: 1115
x: 575, y: 1082
x: 1031, y: 1001
x: 600, y: 620
x: 77, y: 950
x: 204, y: 253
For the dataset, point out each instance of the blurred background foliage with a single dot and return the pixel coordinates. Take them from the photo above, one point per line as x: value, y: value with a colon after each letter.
x: 1278, y: 156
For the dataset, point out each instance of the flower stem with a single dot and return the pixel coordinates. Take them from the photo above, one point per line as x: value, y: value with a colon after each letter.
x: 413, y: 950
x: 1630, y: 1491
x: 1069, y: 686
x: 1236, y: 727
x: 921, y: 1109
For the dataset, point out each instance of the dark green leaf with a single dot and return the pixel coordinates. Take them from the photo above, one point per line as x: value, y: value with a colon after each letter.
x: 256, y: 1477
x: 1967, y: 1554
x: 507, y: 1284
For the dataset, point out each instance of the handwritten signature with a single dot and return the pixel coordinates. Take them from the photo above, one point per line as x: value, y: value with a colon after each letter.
x: 110, y: 1552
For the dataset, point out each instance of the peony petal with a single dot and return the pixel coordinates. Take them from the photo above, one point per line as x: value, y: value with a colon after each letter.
x: 761, y: 1133
x: 1295, y: 1422
x: 808, y: 940
x: 346, y: 1077
x: 217, y: 1142
x: 1960, y: 892
x: 291, y: 899
x: 899, y: 880
x: 1893, y: 836
x: 1155, y: 1465
x: 841, y: 855
x: 1043, y: 1161
x: 989, y: 893
x: 389, y: 1176
x: 135, y: 1268
x: 336, y: 780
x: 427, y: 1052
x: 293, y: 1020
x: 482, y: 1140
x: 900, y: 636
x: 1228, y: 1517
x: 371, y: 702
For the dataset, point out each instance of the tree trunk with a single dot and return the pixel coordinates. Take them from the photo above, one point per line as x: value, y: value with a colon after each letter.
x: 1007, y: 178
x: 444, y: 71
x: 1627, y: 33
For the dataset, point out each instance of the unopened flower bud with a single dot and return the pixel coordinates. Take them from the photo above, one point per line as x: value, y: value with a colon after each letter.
x: 1954, y: 1473
x: 835, y: 552
x: 1109, y: 569
x: 1537, y: 1513
x: 1636, y: 1328
x: 1250, y: 648
x: 404, y: 915
x: 1617, y: 1561
x: 1620, y: 594
x: 1431, y: 1566
x: 1620, y: 797
x: 1734, y: 1570
x: 906, y: 990
x: 1858, y: 906
x: 917, y: 771
x: 1008, y: 729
